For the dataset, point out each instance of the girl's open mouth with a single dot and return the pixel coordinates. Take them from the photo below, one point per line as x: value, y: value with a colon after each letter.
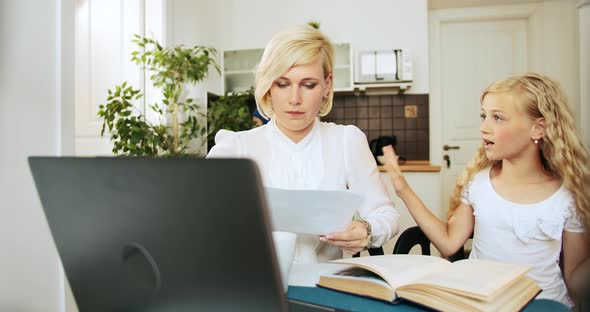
x: 487, y: 143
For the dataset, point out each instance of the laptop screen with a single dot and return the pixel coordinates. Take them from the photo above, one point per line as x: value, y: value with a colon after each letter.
x: 166, y: 234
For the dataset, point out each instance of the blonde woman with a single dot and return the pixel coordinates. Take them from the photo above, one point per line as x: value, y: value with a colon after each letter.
x: 525, y: 194
x: 294, y: 150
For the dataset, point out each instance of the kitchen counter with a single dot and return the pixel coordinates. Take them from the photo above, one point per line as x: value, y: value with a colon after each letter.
x: 415, y: 166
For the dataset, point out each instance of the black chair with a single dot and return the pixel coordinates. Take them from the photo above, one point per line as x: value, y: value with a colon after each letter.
x: 377, y: 251
x: 414, y: 236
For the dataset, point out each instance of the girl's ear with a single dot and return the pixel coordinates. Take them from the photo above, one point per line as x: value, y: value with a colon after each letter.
x: 539, y: 129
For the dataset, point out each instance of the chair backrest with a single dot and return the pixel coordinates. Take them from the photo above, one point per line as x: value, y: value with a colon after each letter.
x: 377, y: 251
x: 409, y: 238
x: 413, y: 236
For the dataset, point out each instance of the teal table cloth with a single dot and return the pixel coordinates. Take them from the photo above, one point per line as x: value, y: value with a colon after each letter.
x: 348, y: 302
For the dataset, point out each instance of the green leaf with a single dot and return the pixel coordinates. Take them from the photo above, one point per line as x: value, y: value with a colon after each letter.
x: 170, y: 68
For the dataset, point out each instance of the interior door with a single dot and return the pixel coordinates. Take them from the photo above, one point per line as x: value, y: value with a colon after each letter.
x: 473, y: 53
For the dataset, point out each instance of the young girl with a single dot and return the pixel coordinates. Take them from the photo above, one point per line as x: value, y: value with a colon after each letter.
x: 524, y: 196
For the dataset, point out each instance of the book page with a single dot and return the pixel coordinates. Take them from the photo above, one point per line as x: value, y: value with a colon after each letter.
x: 479, y: 278
x: 308, y: 274
x: 316, y: 212
x: 512, y: 299
x: 358, y: 281
x: 355, y: 272
x: 398, y: 270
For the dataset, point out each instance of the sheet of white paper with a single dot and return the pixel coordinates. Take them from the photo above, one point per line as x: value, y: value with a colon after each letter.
x: 311, y: 211
x: 307, y: 275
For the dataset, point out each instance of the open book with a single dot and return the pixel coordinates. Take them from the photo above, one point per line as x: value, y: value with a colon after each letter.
x: 466, y: 285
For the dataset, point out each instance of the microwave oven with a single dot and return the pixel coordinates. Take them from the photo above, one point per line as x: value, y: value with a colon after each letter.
x: 383, y: 66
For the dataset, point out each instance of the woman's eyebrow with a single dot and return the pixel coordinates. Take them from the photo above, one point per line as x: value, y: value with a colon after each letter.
x: 313, y: 79
x: 492, y: 111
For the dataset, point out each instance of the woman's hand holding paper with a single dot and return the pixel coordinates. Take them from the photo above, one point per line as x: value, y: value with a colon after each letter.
x: 354, y: 239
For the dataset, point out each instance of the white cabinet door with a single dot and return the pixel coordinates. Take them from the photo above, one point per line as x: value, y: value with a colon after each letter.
x: 427, y: 186
x: 103, y: 46
x: 104, y: 31
x: 343, y: 67
x: 239, y: 69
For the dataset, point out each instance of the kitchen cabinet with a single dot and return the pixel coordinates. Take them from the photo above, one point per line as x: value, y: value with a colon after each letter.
x: 343, y: 67
x: 427, y: 187
x: 239, y: 68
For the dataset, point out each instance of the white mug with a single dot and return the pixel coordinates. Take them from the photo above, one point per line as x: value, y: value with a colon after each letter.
x: 285, y: 248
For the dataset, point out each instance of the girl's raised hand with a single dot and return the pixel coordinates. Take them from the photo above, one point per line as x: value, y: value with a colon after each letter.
x: 391, y: 165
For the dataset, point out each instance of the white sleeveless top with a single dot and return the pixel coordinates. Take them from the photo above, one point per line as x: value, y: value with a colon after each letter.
x: 528, y: 234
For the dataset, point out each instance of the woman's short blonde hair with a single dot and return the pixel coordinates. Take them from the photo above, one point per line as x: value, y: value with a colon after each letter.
x: 297, y: 46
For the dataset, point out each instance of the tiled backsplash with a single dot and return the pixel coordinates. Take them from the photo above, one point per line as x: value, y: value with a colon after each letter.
x: 378, y: 115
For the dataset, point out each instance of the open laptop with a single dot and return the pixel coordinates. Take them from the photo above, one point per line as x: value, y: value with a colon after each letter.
x: 166, y: 234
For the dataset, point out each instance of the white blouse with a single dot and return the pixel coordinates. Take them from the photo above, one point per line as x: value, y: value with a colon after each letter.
x: 330, y: 157
x: 528, y: 234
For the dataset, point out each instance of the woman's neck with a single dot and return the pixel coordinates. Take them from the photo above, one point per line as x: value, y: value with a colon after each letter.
x: 295, y: 135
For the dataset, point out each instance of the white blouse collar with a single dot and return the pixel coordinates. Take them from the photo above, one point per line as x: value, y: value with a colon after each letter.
x: 283, y: 138
x: 295, y: 165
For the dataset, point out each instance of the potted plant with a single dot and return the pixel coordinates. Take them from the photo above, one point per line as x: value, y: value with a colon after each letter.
x: 178, y: 128
x: 232, y: 111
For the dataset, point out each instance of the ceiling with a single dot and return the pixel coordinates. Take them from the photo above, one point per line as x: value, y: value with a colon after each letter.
x: 446, y: 4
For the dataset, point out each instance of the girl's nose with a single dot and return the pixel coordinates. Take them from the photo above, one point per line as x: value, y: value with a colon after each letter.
x: 484, y: 126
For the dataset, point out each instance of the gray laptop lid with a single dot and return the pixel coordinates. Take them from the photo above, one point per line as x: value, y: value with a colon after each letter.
x: 138, y: 234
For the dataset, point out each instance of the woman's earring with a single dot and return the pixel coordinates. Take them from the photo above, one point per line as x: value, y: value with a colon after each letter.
x: 536, y: 141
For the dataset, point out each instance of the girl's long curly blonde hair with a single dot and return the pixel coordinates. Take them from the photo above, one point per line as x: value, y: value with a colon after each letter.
x: 561, y: 149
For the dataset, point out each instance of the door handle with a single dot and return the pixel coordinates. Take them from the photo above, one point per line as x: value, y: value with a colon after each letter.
x: 448, y: 160
x: 450, y: 147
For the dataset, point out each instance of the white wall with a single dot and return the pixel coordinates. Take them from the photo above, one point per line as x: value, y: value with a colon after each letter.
x: 193, y: 23
x: 200, y: 23
x: 584, y: 33
x: 374, y: 24
x: 35, y: 88
x: 554, y: 45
